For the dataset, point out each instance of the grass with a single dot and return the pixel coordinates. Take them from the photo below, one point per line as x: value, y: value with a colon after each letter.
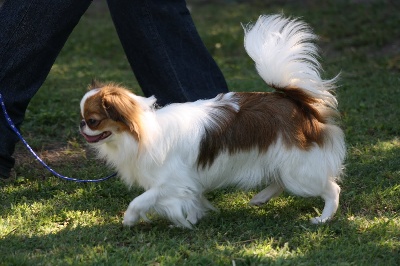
x: 46, y: 221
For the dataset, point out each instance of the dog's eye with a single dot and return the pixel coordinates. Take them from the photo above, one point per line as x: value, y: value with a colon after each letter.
x: 92, y: 122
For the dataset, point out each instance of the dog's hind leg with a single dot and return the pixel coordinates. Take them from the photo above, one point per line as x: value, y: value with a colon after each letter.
x: 331, y: 198
x: 272, y: 191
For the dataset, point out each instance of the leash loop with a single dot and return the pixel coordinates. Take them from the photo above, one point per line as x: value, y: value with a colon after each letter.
x: 14, y: 128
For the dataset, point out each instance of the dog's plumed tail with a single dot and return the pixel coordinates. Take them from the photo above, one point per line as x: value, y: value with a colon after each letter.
x: 286, y: 57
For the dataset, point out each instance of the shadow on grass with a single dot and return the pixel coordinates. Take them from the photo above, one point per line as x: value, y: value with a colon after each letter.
x: 241, y: 233
x: 371, y: 184
x: 208, y: 244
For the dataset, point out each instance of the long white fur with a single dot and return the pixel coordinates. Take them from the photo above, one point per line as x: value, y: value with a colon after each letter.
x: 285, y: 55
x: 166, y: 164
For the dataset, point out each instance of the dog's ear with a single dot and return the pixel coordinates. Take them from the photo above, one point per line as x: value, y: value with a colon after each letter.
x: 95, y: 84
x: 121, y: 107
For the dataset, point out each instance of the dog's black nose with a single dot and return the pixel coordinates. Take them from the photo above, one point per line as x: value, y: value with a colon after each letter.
x: 82, y: 124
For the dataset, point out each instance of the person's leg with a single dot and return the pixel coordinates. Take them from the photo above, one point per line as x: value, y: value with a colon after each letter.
x: 32, y: 34
x: 165, y: 51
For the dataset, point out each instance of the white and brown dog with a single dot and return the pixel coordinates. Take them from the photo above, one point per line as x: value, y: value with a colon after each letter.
x: 283, y: 140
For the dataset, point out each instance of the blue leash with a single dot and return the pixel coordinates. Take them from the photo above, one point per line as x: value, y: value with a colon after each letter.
x: 14, y: 128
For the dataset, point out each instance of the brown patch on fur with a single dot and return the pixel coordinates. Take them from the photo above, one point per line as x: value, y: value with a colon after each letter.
x: 292, y: 114
x: 115, y: 103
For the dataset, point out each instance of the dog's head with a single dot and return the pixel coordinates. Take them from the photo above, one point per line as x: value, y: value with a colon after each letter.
x: 108, y: 110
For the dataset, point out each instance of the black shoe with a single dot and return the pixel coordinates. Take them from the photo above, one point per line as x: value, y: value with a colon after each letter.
x: 5, y: 174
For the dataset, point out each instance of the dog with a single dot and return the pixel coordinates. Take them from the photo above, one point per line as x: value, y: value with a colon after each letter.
x: 288, y: 139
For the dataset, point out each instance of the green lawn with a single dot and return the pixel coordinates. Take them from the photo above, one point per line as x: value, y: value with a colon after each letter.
x: 47, y: 221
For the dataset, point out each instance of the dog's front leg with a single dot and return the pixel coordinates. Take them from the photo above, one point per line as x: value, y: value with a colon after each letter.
x: 139, y: 206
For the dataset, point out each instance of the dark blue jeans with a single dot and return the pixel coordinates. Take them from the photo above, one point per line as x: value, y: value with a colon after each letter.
x: 159, y: 38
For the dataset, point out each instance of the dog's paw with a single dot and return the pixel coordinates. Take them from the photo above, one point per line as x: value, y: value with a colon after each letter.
x: 319, y: 220
x: 256, y: 202
x: 127, y: 223
x: 130, y: 219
